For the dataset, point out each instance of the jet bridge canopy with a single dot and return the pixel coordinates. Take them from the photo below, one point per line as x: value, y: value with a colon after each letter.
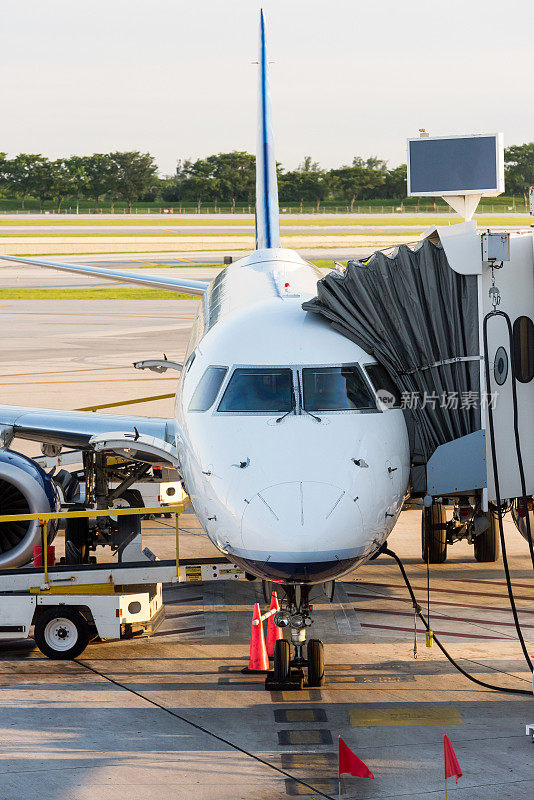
x: 419, y: 318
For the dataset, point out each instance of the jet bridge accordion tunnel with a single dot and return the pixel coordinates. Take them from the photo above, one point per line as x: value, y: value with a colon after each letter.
x: 421, y: 312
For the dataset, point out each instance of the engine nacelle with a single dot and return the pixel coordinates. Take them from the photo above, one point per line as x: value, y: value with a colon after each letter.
x: 24, y: 489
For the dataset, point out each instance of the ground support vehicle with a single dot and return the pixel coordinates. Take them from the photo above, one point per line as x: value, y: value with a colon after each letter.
x: 70, y: 605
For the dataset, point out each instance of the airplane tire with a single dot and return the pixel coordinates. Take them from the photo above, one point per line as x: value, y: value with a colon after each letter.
x: 488, y: 544
x: 62, y: 632
x: 434, y: 534
x: 315, y: 662
x: 77, y: 540
x: 281, y: 660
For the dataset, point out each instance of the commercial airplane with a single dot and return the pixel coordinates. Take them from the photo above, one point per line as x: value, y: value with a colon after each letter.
x: 295, y: 468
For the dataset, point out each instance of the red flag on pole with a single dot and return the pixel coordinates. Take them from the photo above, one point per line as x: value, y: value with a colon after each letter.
x: 350, y: 763
x: 452, y: 766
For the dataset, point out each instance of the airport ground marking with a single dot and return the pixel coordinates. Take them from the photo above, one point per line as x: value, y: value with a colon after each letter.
x: 414, y: 715
x: 264, y: 762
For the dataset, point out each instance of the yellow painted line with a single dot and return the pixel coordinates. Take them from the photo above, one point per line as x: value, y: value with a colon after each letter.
x: 83, y: 380
x: 128, y: 402
x: 294, y: 696
x: 91, y: 512
x: 324, y: 785
x: 384, y: 717
x: 305, y: 737
x: 300, y: 715
x: 308, y: 760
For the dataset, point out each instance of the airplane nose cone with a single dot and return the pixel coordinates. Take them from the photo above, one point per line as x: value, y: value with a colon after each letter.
x: 301, y: 516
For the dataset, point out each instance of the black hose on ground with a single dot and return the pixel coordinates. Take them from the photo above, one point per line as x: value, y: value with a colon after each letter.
x: 387, y: 552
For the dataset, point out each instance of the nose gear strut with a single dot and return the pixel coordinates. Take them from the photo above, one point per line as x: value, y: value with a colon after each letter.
x: 288, y: 672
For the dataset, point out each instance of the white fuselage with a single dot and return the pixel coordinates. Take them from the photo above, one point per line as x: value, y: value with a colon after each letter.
x: 298, y: 498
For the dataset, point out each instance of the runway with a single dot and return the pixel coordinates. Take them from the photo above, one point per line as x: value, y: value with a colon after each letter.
x: 69, y: 733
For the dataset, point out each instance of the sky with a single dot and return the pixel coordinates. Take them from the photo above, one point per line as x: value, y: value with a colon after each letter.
x: 176, y: 78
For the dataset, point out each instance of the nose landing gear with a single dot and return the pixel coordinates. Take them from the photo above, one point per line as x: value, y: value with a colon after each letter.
x: 288, y: 673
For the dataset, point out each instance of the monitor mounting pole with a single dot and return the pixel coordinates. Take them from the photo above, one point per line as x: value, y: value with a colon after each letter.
x: 464, y: 204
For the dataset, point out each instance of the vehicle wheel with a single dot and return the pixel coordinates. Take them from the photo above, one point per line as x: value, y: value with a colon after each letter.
x: 488, y: 544
x: 434, y: 534
x: 77, y: 539
x: 62, y: 632
x: 281, y: 660
x: 315, y: 662
x: 267, y: 587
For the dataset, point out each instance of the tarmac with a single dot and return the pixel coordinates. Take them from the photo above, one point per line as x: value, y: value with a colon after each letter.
x: 99, y: 728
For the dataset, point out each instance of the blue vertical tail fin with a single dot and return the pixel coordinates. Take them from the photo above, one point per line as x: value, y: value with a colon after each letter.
x: 267, y: 216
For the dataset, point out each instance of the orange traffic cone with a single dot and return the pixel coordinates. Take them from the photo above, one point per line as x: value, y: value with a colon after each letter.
x: 259, y: 660
x: 273, y: 631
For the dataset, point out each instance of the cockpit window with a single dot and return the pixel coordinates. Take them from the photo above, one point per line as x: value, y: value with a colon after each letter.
x: 207, y: 389
x: 386, y: 391
x: 336, y: 389
x: 259, y: 389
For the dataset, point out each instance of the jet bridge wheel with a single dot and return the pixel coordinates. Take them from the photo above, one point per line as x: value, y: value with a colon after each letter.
x: 61, y: 632
x: 434, y: 534
x: 488, y: 544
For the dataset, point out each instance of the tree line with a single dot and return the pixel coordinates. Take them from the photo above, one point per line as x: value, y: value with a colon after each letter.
x: 222, y: 178
x: 126, y: 176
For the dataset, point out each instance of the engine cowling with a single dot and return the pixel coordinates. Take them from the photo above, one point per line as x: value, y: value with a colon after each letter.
x: 25, y: 488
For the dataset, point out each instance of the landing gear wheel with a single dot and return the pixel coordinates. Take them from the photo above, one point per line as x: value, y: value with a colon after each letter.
x: 131, y: 498
x: 281, y: 661
x: 434, y: 534
x: 488, y: 544
x: 315, y: 662
x: 77, y: 539
x: 62, y: 633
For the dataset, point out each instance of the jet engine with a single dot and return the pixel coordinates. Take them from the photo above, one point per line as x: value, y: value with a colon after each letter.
x: 24, y: 489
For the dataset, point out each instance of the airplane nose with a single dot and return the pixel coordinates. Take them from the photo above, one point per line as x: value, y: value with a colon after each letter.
x: 301, y: 516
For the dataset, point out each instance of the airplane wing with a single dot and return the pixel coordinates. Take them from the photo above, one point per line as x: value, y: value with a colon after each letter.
x: 76, y: 428
x: 170, y: 284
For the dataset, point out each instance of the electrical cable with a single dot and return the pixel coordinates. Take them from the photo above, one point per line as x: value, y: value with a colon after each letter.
x: 204, y: 730
x: 519, y: 453
x: 386, y: 551
x: 496, y: 477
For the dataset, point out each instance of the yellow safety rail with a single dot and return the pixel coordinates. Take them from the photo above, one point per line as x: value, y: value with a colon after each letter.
x: 43, y: 518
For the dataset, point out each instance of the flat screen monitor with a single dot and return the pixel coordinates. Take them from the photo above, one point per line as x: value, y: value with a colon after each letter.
x: 456, y: 165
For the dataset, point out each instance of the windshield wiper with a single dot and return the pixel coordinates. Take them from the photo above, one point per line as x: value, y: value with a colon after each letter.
x: 315, y: 417
x: 293, y: 404
x: 301, y: 401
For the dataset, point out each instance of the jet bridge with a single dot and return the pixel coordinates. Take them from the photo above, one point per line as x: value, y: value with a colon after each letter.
x: 452, y: 321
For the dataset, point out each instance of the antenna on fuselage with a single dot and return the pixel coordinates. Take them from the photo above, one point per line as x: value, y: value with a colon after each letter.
x: 267, y: 215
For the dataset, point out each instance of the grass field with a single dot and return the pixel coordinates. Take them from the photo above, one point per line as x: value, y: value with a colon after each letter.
x: 318, y: 221
x: 92, y: 294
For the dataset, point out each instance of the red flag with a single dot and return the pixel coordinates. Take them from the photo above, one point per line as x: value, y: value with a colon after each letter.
x: 350, y: 763
x: 452, y: 766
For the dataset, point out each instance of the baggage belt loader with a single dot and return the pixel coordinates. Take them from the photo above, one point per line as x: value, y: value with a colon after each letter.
x: 70, y: 605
